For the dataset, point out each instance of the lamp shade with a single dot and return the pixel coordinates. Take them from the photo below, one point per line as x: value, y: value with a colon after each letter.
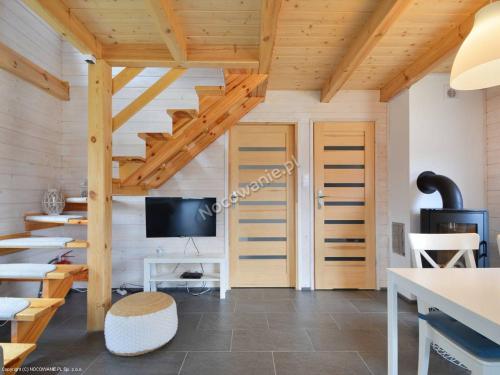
x: 477, y: 63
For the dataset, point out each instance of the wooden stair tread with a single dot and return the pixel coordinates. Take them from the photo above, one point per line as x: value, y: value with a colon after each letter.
x: 37, y: 308
x: 80, y: 200
x: 46, y: 219
x: 14, y: 353
x: 192, y: 113
x: 61, y: 272
x: 155, y: 136
x: 41, y: 242
x: 202, y: 91
x: 135, y: 159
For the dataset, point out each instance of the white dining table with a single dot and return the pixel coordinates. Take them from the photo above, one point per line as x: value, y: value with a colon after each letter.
x: 470, y: 295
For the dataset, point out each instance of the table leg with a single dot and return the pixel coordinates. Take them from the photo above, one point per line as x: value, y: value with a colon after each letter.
x: 392, y: 326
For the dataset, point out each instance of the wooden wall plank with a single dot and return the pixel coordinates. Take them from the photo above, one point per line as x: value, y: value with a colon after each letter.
x: 99, y: 196
x: 23, y: 68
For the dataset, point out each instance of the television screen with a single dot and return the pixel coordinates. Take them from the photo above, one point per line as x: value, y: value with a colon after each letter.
x: 179, y: 217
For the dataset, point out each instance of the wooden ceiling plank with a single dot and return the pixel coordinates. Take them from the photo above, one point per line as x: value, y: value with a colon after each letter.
x: 437, y: 53
x: 60, y: 18
x: 152, y: 92
x: 270, y: 11
x: 384, y: 16
x: 23, y: 68
x: 124, y: 77
x: 169, y: 27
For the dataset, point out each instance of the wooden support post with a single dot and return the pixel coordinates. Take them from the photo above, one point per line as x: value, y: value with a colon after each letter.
x: 100, y: 130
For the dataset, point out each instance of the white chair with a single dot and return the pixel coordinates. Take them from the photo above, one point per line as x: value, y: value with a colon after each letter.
x: 476, y: 352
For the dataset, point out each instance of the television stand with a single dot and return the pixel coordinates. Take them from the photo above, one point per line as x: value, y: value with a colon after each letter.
x: 152, y: 276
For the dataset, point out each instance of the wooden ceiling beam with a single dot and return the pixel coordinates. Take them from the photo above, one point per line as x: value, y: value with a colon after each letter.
x: 23, y: 68
x: 270, y: 10
x: 60, y: 18
x: 384, y: 16
x: 124, y: 77
x: 198, y: 56
x: 169, y: 28
x: 440, y: 50
x: 152, y: 92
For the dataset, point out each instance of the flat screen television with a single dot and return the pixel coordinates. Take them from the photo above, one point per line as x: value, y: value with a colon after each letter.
x: 180, y: 217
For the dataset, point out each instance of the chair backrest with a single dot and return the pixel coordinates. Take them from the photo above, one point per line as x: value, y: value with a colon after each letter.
x: 462, y: 243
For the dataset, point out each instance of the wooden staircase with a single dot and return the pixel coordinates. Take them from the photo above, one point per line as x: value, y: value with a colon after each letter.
x: 29, y: 324
x: 220, y: 107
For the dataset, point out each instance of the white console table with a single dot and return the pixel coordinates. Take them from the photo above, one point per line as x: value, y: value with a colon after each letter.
x: 153, y: 276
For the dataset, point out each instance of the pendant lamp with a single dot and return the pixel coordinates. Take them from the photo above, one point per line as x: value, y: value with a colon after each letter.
x: 477, y: 63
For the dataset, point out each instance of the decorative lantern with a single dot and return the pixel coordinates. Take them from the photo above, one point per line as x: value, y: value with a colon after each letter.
x: 53, y: 202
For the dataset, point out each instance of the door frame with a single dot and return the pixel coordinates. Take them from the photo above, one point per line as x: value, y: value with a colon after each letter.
x: 297, y: 199
x: 312, y: 191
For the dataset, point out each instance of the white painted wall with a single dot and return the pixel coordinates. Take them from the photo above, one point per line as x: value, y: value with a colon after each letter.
x: 399, y: 170
x: 447, y: 136
x: 429, y: 131
x: 493, y: 168
x: 30, y: 132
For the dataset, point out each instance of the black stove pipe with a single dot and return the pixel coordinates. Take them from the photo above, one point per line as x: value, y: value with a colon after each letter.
x: 428, y: 182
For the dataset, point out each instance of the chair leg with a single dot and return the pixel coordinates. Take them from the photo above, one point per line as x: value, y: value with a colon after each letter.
x: 424, y: 348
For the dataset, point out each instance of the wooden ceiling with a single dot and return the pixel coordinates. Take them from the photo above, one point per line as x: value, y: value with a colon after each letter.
x: 308, y: 39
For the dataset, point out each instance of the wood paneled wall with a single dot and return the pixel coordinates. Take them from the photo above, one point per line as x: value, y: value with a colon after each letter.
x: 202, y: 177
x: 30, y: 131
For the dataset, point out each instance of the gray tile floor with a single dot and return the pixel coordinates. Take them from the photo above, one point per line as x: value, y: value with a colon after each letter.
x: 252, y: 332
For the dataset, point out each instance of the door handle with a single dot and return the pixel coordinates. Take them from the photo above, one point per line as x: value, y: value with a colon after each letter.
x: 321, y: 198
x: 233, y: 199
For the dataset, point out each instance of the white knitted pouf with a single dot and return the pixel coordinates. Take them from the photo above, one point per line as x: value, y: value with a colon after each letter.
x: 140, y: 323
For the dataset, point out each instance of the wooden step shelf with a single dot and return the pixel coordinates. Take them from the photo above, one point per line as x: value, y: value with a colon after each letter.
x: 37, y: 308
x: 177, y: 113
x: 154, y: 141
x: 155, y: 136
x: 181, y: 118
x: 75, y: 204
x: 208, y: 96
x: 14, y: 355
x: 37, y: 221
x: 13, y: 248
x: 29, y: 324
x: 57, y: 283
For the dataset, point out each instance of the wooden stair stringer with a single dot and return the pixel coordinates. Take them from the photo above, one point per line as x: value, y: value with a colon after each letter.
x: 203, y: 141
x: 29, y: 324
x: 14, y: 355
x: 205, y: 122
